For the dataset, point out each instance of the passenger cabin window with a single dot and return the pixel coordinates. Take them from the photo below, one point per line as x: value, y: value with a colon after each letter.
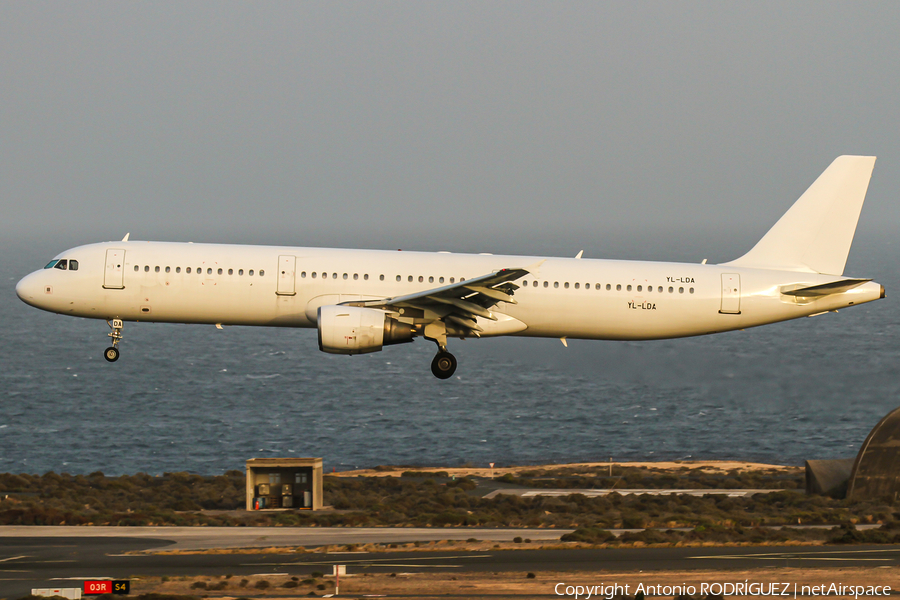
x: 168, y: 269
x: 146, y: 268
x: 178, y: 269
x: 231, y: 271
x: 366, y: 276
x: 188, y: 270
x: 250, y: 272
x: 313, y: 274
x: 219, y: 272
x: 136, y: 268
x: 209, y: 270
x: 261, y: 273
x: 628, y: 288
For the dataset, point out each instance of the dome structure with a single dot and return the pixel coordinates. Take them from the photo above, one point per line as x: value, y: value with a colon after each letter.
x: 876, y: 471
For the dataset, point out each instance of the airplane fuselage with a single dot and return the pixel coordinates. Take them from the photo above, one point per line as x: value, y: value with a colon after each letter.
x: 284, y: 286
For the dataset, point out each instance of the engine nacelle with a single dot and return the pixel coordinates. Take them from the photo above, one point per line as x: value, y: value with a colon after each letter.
x: 355, y: 330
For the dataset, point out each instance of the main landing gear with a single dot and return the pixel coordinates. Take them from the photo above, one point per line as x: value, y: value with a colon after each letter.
x: 111, y: 354
x: 444, y: 364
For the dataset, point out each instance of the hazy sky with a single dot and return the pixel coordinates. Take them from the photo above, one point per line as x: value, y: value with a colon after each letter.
x: 675, y: 130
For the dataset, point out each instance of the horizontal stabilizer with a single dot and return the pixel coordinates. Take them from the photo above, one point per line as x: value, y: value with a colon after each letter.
x: 826, y: 289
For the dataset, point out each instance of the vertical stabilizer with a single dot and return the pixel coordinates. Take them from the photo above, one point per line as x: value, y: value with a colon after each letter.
x: 816, y: 233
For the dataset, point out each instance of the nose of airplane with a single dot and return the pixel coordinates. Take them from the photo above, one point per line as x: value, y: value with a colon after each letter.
x: 28, y: 289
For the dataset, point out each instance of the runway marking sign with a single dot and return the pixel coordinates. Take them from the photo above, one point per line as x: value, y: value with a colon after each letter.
x: 108, y: 586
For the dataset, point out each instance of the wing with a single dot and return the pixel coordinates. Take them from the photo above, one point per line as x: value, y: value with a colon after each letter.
x: 457, y: 304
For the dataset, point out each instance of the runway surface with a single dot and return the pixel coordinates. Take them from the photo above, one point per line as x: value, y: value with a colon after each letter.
x: 45, y: 560
x: 194, y: 538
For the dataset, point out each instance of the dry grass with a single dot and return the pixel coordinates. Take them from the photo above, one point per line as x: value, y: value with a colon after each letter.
x: 462, y: 546
x: 712, y: 467
x: 514, y: 585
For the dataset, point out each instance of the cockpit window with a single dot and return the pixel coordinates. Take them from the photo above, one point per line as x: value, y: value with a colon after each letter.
x: 62, y: 264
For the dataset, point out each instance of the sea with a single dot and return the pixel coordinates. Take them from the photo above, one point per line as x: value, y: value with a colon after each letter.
x: 197, y: 399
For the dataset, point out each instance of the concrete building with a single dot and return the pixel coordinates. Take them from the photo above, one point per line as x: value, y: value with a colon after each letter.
x: 828, y: 477
x: 284, y: 484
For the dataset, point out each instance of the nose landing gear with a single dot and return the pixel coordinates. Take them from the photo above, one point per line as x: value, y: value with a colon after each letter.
x: 111, y: 354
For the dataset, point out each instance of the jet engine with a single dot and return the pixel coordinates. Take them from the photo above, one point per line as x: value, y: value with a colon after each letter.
x: 355, y: 330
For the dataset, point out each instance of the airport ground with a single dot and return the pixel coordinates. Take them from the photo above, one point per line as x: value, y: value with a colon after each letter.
x: 463, y: 562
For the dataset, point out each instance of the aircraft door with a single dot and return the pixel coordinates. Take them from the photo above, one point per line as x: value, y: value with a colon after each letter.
x: 114, y: 273
x: 287, y: 268
x: 731, y: 294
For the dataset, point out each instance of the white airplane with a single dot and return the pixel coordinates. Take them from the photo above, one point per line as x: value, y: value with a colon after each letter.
x: 362, y: 300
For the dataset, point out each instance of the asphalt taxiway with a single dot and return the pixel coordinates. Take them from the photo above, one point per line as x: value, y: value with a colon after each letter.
x: 196, y: 538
